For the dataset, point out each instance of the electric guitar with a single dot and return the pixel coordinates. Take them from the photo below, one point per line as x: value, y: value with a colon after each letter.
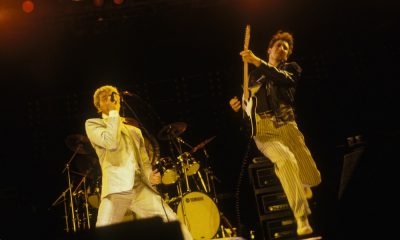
x: 249, y: 100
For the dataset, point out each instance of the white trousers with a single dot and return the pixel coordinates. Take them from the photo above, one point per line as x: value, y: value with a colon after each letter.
x: 141, y: 200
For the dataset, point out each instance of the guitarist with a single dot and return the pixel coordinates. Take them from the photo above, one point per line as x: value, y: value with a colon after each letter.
x: 271, y: 99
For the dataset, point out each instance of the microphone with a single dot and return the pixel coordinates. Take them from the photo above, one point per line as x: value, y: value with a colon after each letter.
x: 127, y: 93
x: 112, y: 96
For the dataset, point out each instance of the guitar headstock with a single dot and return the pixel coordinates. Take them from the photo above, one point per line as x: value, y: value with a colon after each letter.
x: 247, y: 37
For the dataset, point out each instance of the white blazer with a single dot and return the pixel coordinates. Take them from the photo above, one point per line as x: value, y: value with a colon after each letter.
x: 120, y: 149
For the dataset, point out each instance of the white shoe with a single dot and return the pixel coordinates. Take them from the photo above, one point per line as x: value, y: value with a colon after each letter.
x: 303, y: 227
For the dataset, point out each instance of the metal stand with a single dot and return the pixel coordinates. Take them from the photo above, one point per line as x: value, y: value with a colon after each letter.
x: 76, y: 191
x: 57, y: 201
x: 211, y: 178
x: 69, y: 190
x: 67, y: 168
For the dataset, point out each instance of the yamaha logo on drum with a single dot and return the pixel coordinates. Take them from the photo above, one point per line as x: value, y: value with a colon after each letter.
x: 195, y: 199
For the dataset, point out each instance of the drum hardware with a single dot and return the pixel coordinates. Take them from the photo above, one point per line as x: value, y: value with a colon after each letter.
x: 172, y: 130
x: 62, y: 198
x: 93, y: 193
x: 85, y: 198
x: 167, y: 169
x: 71, y: 205
x: 199, y: 146
x: 202, y: 183
x: 202, y: 144
x: 192, y: 205
x: 171, y: 133
x: 227, y: 230
x: 183, y: 168
x: 190, y: 163
x: 79, y: 144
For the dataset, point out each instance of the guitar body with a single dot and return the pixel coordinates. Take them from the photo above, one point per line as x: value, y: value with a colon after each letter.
x: 250, y: 109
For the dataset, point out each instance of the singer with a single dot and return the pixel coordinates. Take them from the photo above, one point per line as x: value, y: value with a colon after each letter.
x: 270, y: 108
x: 127, y: 177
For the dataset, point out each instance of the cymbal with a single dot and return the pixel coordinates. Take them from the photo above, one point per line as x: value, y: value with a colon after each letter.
x: 79, y: 143
x: 202, y: 144
x: 172, y: 130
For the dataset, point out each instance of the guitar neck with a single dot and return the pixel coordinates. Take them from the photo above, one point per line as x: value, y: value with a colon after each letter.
x: 245, y: 81
x: 245, y: 65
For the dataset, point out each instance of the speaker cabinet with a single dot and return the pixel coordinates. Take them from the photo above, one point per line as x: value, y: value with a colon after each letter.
x: 274, y: 213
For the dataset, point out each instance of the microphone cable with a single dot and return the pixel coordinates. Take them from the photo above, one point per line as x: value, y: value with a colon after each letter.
x: 239, y: 182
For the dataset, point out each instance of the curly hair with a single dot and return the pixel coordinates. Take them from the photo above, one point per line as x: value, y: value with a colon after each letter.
x: 99, y: 91
x: 285, y: 36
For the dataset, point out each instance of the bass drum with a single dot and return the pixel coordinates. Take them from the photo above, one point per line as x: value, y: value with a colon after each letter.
x: 200, y: 214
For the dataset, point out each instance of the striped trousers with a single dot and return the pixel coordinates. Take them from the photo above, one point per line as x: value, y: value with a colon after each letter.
x: 294, y: 165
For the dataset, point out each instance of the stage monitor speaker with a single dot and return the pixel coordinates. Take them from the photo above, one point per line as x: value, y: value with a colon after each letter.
x: 262, y: 176
x: 281, y: 228
x: 149, y: 228
x: 350, y: 161
x: 275, y: 216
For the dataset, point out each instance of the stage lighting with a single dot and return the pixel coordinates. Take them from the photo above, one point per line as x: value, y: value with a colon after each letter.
x: 98, y: 3
x: 28, y: 6
x: 118, y: 2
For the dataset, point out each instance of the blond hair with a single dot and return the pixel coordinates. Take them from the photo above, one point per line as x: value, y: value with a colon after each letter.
x: 99, y: 91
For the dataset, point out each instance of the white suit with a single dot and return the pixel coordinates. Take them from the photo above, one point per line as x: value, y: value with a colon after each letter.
x: 126, y: 170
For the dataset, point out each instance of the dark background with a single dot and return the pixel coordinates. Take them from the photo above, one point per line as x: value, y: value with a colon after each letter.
x: 181, y: 59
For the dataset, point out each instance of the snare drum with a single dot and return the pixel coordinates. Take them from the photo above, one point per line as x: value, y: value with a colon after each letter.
x: 200, y: 214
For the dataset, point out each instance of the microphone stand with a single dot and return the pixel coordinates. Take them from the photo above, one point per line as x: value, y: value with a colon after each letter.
x: 135, y: 115
x: 142, y: 128
x: 138, y: 119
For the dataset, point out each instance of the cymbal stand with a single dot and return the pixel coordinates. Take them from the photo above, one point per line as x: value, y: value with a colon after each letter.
x: 206, y: 189
x: 211, y: 178
x: 181, y: 162
x: 67, y: 166
x: 175, y: 141
x: 83, y: 181
x: 57, y: 201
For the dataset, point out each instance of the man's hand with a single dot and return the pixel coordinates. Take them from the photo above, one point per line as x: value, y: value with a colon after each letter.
x: 112, y: 103
x: 235, y: 104
x: 248, y: 56
x: 155, y: 177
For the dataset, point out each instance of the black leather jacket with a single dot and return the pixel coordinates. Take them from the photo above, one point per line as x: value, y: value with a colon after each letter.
x: 276, y: 88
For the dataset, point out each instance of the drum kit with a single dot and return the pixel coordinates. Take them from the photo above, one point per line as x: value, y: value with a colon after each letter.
x: 194, y: 200
x: 187, y: 184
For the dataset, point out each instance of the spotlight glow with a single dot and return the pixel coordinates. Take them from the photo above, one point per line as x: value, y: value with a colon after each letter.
x: 28, y: 6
